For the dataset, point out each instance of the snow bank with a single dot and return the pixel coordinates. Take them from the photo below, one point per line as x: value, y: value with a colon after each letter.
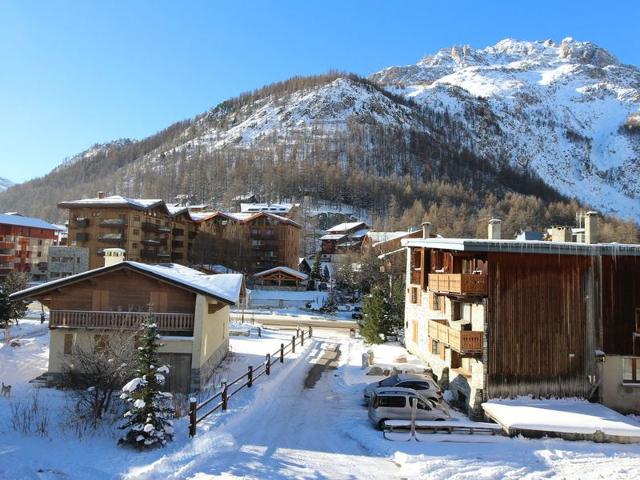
x: 562, y: 416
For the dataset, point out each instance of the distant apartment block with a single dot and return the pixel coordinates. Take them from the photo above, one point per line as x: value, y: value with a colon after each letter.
x: 24, y: 245
x: 147, y: 229
x: 65, y: 261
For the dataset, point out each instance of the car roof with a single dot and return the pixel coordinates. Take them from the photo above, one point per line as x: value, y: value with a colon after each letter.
x: 396, y: 391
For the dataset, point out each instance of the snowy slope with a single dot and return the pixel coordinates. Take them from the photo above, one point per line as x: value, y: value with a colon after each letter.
x: 5, y: 183
x: 569, y: 111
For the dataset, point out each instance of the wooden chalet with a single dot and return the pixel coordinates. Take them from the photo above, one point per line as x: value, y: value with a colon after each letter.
x: 541, y: 318
x: 190, y: 308
x: 281, y: 278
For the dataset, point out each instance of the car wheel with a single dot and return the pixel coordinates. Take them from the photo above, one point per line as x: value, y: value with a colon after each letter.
x: 441, y: 419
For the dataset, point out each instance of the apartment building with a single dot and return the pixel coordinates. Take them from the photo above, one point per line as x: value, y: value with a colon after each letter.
x: 24, y: 245
x: 147, y: 229
x: 503, y: 318
x: 252, y: 242
x: 64, y: 261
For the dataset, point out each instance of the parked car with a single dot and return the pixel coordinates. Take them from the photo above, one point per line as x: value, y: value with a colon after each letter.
x: 396, y: 403
x: 357, y: 313
x: 420, y: 383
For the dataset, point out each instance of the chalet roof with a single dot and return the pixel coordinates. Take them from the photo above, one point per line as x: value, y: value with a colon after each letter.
x: 223, y: 287
x: 115, y: 201
x: 266, y: 207
x: 524, y: 247
x: 333, y: 236
x: 20, y: 221
x: 243, y: 217
x: 346, y: 227
x: 285, y: 270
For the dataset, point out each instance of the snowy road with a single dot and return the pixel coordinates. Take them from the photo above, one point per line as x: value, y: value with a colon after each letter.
x: 291, y: 432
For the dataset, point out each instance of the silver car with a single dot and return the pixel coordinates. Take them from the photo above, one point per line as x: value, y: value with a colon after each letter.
x: 420, y: 383
x: 395, y: 404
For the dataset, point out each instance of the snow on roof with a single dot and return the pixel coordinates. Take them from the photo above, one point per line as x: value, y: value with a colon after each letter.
x: 524, y: 247
x: 344, y: 227
x: 287, y: 270
x: 225, y: 287
x: 333, y: 236
x: 114, y: 201
x: 20, y: 221
x: 243, y: 216
x: 360, y: 233
x: 381, y: 237
x: 266, y: 207
x: 562, y: 416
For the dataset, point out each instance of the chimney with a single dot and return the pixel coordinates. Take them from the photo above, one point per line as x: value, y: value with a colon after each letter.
x: 495, y: 229
x: 113, y: 256
x: 591, y: 227
x: 426, y: 229
x: 101, y: 194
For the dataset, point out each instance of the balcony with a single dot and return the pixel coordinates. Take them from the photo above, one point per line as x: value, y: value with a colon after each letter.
x: 7, y: 257
x: 113, y: 223
x: 164, y: 229
x: 152, y: 242
x: 458, y: 283
x: 464, y: 342
x: 7, y: 245
x: 111, y: 237
x: 104, y: 320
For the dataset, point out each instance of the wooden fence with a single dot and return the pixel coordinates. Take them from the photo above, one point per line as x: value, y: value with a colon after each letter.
x: 198, y: 412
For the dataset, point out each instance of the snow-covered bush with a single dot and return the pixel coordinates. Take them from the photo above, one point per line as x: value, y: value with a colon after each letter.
x: 147, y: 422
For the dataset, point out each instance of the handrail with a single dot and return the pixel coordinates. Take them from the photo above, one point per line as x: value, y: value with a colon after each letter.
x: 252, y: 375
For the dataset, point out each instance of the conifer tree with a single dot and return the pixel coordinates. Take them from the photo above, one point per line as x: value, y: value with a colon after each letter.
x: 147, y: 422
x: 375, y: 312
x: 315, y: 269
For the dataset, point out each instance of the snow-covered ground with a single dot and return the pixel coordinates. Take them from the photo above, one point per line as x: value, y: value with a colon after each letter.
x: 282, y: 429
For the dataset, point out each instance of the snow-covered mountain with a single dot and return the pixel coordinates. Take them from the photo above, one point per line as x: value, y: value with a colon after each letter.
x: 569, y: 111
x: 5, y: 183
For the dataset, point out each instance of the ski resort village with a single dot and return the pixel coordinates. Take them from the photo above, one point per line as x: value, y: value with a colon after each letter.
x: 428, y: 268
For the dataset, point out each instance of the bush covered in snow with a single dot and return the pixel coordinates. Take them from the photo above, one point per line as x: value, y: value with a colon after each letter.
x: 147, y: 422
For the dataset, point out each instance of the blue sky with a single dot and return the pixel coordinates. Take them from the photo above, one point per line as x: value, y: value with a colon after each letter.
x: 73, y: 73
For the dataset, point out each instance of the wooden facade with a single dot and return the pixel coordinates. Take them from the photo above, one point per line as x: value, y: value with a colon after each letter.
x: 545, y: 321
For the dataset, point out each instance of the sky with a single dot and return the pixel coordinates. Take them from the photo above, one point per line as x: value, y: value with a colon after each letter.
x: 76, y: 73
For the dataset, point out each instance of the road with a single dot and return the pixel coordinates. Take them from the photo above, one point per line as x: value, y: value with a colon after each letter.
x: 298, y: 429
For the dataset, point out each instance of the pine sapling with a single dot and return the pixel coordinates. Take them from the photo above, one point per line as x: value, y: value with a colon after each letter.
x: 147, y: 422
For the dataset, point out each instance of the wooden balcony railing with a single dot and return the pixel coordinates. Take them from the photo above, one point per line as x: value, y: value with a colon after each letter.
x: 462, y: 341
x: 167, y: 322
x: 460, y: 283
x: 7, y: 245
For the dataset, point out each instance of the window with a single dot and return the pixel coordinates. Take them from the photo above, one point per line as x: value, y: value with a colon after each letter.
x: 414, y: 332
x: 136, y: 231
x: 393, y: 402
x: 101, y: 343
x: 435, y: 347
x: 422, y: 405
x: 414, y: 295
x: 68, y: 343
x: 437, y: 302
x: 631, y: 370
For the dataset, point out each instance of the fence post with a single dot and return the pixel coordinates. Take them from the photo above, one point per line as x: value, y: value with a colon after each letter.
x: 293, y: 344
x: 192, y: 416
x: 297, y: 331
x: 302, y: 338
x: 225, y: 397
x: 267, y: 366
x: 282, y: 353
x: 310, y: 331
x: 250, y: 384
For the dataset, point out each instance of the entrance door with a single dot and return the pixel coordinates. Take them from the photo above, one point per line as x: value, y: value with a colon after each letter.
x: 179, y: 379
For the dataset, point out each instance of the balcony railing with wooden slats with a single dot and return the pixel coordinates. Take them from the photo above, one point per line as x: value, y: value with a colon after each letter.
x: 462, y: 341
x: 460, y: 283
x: 105, y: 320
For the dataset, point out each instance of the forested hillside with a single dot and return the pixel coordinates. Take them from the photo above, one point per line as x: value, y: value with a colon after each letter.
x: 335, y: 138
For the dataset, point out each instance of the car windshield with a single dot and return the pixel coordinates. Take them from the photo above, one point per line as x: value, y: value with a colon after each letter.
x: 389, y: 382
